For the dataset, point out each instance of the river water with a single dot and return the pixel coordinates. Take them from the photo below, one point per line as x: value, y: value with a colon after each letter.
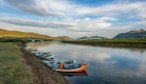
x: 106, y: 65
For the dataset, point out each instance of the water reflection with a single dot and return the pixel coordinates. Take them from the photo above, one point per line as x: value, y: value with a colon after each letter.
x: 83, y: 73
x: 106, y: 65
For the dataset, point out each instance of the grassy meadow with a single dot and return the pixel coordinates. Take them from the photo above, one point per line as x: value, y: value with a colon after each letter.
x: 13, y: 70
x: 130, y: 42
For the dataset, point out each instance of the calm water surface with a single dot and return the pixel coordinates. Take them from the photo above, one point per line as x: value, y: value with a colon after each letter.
x: 106, y: 65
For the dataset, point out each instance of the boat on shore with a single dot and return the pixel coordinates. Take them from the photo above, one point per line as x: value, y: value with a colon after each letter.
x: 42, y: 55
x: 68, y: 67
x: 64, y: 67
x: 48, y: 58
x: 80, y: 68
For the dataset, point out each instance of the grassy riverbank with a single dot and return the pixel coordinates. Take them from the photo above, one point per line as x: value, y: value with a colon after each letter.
x: 18, y: 66
x: 13, y: 69
x: 133, y: 42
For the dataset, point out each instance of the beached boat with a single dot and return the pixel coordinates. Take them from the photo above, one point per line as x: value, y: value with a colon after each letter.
x: 48, y: 58
x: 69, y: 66
x: 74, y: 68
x: 41, y: 54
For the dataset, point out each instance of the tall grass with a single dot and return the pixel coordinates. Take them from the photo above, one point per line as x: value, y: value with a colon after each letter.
x: 13, y: 70
x: 131, y: 42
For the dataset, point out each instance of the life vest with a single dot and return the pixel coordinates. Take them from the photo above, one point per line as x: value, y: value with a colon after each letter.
x: 61, y: 66
x: 81, y: 64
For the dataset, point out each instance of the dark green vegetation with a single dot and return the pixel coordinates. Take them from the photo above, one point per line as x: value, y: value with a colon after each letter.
x: 21, y: 39
x: 132, y: 34
x: 130, y: 42
x: 13, y: 69
x: 14, y: 39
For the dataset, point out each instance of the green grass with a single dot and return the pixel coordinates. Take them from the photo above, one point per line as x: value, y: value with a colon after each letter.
x: 13, y: 69
x: 22, y: 40
x: 13, y: 39
x: 131, y: 42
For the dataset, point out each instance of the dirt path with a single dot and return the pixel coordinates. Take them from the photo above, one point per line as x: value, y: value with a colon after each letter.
x: 42, y: 73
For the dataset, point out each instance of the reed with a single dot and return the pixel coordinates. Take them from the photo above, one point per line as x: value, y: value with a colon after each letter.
x: 131, y: 42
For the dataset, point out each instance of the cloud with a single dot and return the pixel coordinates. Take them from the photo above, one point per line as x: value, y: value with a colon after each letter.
x: 104, y: 19
x: 36, y: 7
x: 45, y: 24
x: 77, y: 30
x: 65, y: 8
x: 68, y: 9
x: 115, y: 9
x: 91, y: 25
x: 69, y: 25
x: 73, y: 17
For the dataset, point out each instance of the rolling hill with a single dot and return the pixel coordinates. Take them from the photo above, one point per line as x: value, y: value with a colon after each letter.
x: 8, y: 33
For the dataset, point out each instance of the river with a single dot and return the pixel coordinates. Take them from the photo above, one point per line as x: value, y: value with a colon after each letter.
x: 106, y: 65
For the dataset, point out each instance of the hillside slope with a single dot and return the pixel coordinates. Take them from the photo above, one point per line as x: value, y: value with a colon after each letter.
x: 8, y: 33
x: 132, y: 34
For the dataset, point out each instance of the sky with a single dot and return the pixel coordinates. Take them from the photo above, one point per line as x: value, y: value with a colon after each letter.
x: 73, y: 18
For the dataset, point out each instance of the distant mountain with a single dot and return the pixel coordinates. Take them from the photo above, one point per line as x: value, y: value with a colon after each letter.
x: 8, y: 33
x: 132, y: 34
x: 63, y: 38
x: 91, y: 38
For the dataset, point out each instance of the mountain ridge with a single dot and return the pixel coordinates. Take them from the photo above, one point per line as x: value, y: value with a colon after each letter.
x: 132, y: 34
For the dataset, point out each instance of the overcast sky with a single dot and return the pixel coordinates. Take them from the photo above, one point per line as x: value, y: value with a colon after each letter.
x: 74, y: 18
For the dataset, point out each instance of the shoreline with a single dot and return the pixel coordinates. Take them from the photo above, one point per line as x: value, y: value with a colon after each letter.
x: 115, y: 44
x: 42, y: 73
